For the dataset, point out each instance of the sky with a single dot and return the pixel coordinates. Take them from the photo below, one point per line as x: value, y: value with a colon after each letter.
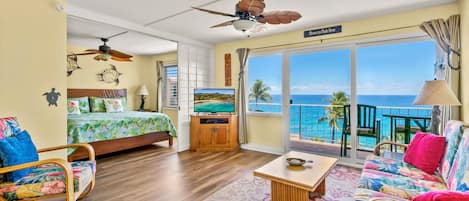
x: 392, y: 69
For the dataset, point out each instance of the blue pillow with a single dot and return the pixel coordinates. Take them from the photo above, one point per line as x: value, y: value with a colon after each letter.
x: 15, y: 150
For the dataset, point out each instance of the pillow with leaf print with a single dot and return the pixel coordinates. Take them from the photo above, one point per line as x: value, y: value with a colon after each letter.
x: 84, y: 104
x: 113, y: 105
x: 73, y: 107
x: 97, y: 104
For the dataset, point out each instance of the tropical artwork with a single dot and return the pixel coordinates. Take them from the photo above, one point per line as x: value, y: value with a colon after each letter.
x: 214, y: 100
x: 92, y: 127
x: 52, y: 97
x: 110, y: 75
x: 72, y: 64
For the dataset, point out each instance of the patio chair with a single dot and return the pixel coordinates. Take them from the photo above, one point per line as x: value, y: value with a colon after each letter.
x: 367, y: 125
x: 45, y: 179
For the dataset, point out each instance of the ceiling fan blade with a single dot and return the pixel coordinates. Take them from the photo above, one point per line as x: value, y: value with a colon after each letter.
x: 254, y: 7
x: 116, y: 53
x: 214, y: 12
x: 120, y: 59
x: 81, y: 54
x: 228, y: 23
x: 278, y: 17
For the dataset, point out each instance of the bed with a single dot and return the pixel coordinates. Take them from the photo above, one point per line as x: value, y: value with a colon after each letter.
x: 111, y: 132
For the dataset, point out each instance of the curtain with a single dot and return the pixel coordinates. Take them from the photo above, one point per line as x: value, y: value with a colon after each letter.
x: 242, y: 117
x: 447, y: 36
x: 159, y: 86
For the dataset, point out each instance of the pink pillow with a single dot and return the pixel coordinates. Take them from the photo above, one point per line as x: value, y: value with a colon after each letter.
x: 442, y: 196
x: 425, y: 151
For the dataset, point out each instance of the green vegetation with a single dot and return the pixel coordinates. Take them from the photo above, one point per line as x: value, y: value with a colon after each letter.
x: 260, y: 91
x: 334, y: 112
x: 214, y: 96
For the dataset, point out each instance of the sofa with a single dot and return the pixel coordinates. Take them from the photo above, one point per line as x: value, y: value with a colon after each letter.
x: 393, y: 179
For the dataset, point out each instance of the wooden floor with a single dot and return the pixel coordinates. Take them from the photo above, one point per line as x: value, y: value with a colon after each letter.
x: 156, y: 173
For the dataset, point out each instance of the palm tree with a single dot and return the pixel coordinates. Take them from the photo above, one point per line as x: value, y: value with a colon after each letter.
x: 334, y: 112
x: 259, y: 91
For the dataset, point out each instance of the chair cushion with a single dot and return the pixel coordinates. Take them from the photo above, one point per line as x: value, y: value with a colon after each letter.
x: 399, y: 167
x: 442, y: 196
x: 425, y: 151
x: 453, y: 133
x: 8, y: 127
x: 363, y: 194
x: 48, y: 180
x: 458, y: 178
x: 15, y: 150
x: 396, y: 185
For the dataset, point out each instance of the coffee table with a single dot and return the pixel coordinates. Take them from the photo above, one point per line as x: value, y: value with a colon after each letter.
x: 294, y: 183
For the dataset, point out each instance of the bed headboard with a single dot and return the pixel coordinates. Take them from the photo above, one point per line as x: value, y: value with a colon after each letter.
x: 103, y: 93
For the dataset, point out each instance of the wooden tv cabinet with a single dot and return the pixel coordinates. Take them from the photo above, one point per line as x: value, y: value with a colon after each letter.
x: 214, y: 133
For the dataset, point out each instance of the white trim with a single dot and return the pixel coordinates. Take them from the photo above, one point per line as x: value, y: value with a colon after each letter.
x: 285, y: 83
x: 86, y: 14
x: 353, y: 105
x: 263, y: 148
x: 184, y: 147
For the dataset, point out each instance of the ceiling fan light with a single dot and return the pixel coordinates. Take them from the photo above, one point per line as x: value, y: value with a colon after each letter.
x: 103, y: 57
x: 243, y: 25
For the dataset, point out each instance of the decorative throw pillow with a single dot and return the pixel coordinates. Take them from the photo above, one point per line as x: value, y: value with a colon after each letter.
x: 84, y: 104
x: 73, y: 107
x: 123, y: 101
x: 97, y: 104
x: 442, y: 196
x: 113, y: 105
x: 8, y: 127
x: 425, y: 151
x: 15, y: 150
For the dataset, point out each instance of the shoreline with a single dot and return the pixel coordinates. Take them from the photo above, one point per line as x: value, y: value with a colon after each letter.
x: 211, y: 101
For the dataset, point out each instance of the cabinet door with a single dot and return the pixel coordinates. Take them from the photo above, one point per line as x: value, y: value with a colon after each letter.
x: 221, y: 135
x: 205, y: 135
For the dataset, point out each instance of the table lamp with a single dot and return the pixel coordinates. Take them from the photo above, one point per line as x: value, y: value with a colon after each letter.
x: 436, y: 93
x: 143, y: 92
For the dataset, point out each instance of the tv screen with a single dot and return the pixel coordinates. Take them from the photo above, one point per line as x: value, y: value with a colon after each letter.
x: 214, y: 100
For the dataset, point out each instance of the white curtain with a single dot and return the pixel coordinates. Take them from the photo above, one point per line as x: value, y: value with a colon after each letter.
x: 159, y: 86
x: 242, y: 123
x: 447, y: 36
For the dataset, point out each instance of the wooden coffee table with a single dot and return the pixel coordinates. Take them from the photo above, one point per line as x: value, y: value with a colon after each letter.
x: 294, y: 183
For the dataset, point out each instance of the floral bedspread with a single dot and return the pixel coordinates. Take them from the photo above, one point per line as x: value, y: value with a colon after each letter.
x: 92, y: 127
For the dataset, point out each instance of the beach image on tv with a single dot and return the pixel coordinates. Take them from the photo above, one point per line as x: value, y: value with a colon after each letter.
x: 214, y: 100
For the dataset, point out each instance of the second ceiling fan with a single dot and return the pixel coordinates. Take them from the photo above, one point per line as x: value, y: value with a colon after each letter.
x: 250, y: 12
x: 105, y: 52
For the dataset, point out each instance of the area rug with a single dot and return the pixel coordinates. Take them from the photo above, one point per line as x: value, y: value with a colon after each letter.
x: 340, y: 186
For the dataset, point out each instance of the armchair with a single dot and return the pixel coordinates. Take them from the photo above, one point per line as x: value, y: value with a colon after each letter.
x: 69, y: 174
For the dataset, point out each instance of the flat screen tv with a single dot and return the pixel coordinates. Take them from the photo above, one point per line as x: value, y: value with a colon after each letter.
x: 214, y: 100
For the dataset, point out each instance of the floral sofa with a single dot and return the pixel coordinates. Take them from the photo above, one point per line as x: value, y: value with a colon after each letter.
x: 392, y: 179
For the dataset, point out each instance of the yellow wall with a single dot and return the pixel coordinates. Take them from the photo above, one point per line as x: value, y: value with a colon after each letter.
x: 32, y: 61
x: 141, y: 71
x: 464, y: 8
x: 259, y: 129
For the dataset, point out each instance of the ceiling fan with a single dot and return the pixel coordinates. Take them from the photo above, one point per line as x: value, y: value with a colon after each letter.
x: 250, y: 12
x: 105, y: 52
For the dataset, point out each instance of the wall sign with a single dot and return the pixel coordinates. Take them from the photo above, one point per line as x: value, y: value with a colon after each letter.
x: 323, y: 31
x: 227, y: 69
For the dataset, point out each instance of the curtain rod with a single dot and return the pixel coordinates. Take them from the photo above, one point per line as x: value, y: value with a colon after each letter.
x: 337, y: 37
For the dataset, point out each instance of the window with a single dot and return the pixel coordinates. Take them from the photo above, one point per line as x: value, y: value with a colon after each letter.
x: 170, y: 86
x: 265, y: 83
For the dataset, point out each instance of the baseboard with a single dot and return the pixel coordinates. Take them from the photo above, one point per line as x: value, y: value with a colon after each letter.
x: 263, y: 148
x: 184, y: 147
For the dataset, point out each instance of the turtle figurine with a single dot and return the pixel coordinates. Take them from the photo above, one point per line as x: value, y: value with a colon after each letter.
x: 72, y: 64
x: 52, y: 97
x: 110, y: 75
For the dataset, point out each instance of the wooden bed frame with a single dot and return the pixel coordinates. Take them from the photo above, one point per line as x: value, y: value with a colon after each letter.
x: 109, y: 146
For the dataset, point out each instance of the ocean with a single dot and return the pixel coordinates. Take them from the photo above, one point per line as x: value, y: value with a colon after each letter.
x: 306, y: 110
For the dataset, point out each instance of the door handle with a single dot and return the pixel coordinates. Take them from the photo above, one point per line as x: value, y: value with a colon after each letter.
x: 291, y: 101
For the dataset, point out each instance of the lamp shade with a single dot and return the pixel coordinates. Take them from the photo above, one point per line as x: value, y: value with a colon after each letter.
x: 143, y: 90
x: 436, y: 92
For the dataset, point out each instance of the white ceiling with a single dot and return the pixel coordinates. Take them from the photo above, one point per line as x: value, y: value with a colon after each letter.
x: 177, y: 17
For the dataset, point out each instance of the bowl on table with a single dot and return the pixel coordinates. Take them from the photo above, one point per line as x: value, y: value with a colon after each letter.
x: 297, y: 161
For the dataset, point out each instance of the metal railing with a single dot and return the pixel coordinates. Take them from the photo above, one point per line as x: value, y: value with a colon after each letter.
x: 305, y: 124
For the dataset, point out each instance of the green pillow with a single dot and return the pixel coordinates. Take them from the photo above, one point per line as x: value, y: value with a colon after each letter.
x: 84, y: 104
x: 97, y: 104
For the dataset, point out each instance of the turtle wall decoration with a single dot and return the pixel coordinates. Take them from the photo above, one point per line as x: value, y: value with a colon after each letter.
x: 110, y: 75
x: 72, y: 64
x: 52, y: 97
